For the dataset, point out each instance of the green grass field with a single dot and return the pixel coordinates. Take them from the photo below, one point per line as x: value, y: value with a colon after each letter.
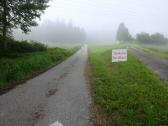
x: 14, y: 70
x: 128, y: 93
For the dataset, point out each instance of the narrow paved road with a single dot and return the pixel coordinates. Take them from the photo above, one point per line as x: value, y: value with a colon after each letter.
x: 156, y: 64
x: 58, y: 97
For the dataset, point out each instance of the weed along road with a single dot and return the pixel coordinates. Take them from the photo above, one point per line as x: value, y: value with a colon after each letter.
x: 158, y: 65
x: 58, y: 97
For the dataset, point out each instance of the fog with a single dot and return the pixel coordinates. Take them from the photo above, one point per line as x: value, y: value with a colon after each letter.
x: 100, y: 19
x: 55, y: 32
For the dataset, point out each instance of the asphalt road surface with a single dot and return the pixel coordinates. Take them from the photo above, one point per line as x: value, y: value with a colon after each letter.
x: 156, y: 64
x: 58, y: 97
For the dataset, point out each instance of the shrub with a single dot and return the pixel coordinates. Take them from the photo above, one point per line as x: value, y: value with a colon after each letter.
x: 25, y: 46
x: 17, y: 47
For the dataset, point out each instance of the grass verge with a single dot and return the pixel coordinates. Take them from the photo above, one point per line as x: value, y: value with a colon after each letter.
x: 15, y: 70
x: 161, y: 52
x: 156, y: 52
x: 125, y: 93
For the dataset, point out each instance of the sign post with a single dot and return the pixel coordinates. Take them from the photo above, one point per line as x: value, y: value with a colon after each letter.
x: 119, y: 55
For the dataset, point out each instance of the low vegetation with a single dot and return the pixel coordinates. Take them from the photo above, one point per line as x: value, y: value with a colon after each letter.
x: 23, y: 66
x: 16, y: 48
x: 155, y: 50
x: 128, y: 93
x: 160, y: 52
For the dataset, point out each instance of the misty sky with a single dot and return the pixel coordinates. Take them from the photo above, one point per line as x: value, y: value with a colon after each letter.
x: 102, y: 17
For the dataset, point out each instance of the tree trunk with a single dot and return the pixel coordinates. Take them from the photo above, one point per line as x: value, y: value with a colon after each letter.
x: 4, y: 38
x: 4, y: 30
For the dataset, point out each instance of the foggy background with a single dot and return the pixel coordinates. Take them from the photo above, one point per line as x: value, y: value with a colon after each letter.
x: 96, y: 21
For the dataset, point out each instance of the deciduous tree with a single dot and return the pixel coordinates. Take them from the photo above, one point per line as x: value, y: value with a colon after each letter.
x: 123, y: 34
x: 19, y: 14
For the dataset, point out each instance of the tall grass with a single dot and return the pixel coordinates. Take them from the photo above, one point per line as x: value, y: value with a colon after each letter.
x: 13, y: 70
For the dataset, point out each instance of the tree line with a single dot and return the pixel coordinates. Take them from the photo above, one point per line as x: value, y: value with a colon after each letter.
x: 58, y: 31
x: 124, y: 36
x: 156, y: 38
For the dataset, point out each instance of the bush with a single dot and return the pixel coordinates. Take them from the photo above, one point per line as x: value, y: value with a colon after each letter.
x: 25, y: 46
x: 18, y: 47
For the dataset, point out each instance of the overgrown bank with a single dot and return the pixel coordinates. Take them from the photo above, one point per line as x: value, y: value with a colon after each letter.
x: 159, y: 52
x: 26, y: 65
x: 126, y: 93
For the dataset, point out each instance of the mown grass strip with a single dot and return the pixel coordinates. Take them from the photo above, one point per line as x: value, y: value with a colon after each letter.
x: 130, y: 94
x: 15, y: 70
x: 158, y: 51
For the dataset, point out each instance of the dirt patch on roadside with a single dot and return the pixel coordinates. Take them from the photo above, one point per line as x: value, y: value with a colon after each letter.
x: 62, y: 77
x: 51, y: 92
x: 98, y: 115
x: 37, y: 115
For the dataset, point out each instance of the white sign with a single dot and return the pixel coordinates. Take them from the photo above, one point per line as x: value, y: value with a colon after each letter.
x: 119, y: 55
x: 57, y: 123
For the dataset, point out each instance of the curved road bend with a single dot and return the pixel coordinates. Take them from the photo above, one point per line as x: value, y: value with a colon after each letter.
x: 58, y: 97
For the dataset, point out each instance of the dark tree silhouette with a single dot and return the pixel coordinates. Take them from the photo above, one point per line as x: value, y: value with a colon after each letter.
x: 123, y: 34
x: 19, y: 14
x: 157, y: 38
